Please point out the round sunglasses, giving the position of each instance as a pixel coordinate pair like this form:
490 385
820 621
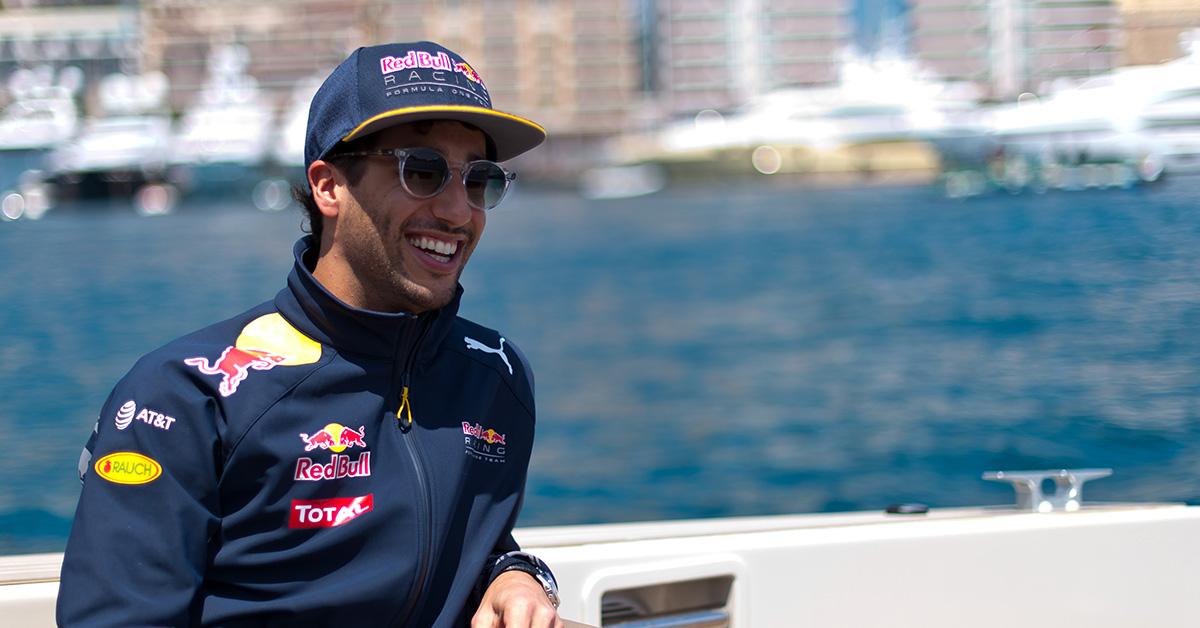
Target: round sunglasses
424 173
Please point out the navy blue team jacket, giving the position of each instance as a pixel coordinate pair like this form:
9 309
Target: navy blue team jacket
303 463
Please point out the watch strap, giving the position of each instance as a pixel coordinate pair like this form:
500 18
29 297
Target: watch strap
530 564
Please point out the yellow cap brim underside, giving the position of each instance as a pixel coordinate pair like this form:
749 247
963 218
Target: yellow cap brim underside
491 121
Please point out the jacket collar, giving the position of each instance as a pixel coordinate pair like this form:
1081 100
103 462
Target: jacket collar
327 319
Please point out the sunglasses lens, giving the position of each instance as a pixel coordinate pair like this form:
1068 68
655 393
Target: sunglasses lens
486 184
424 173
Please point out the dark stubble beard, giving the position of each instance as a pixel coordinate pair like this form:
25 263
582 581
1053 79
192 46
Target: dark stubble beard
371 256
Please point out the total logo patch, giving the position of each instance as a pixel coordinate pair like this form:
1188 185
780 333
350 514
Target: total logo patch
129 412
328 513
484 444
127 467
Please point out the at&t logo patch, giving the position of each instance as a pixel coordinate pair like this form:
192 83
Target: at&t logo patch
129 412
328 513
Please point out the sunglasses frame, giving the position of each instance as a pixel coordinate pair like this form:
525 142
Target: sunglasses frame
401 155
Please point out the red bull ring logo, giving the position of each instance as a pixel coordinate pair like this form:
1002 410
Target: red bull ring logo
484 444
328 513
336 438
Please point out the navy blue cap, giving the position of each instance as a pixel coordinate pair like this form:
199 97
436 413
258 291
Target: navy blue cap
380 86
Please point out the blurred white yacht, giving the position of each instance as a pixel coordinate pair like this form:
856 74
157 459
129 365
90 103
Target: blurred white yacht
125 151
287 150
1125 127
873 121
223 141
285 161
41 115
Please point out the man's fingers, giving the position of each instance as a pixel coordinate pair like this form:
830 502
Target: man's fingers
485 618
517 614
544 616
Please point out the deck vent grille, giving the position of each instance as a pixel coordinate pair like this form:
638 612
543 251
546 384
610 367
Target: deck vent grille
686 604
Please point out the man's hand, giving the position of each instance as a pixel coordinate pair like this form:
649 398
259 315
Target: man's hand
515 600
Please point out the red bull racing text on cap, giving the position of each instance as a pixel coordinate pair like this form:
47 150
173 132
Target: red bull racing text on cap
381 86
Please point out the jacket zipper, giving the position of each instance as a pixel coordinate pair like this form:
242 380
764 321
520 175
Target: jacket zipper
404 420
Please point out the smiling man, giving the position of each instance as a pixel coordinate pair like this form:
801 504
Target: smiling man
353 451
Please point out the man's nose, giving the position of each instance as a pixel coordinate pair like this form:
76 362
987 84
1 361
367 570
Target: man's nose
451 205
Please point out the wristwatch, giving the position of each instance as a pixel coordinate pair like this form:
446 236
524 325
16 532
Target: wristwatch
530 564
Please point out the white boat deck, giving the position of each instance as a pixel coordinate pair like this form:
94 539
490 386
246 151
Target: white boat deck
1104 565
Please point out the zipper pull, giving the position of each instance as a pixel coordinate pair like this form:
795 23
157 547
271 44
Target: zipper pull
405 409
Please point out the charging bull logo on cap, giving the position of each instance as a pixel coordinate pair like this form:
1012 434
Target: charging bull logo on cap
267 342
468 72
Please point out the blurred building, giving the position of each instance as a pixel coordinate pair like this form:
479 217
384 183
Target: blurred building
45 35
1153 29
715 54
1008 47
571 65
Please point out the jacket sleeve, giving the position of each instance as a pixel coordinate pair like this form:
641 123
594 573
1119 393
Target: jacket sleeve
506 543
138 547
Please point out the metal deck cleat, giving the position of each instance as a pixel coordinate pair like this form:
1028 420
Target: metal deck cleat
1068 494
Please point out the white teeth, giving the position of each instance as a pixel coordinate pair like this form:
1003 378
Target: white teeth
430 245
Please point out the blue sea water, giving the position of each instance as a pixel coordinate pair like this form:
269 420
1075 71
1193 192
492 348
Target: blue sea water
736 350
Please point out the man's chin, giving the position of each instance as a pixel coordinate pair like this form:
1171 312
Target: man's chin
423 298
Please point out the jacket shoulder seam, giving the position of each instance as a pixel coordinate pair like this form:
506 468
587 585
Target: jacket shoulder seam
250 425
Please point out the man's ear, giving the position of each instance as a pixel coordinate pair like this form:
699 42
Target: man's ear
323 180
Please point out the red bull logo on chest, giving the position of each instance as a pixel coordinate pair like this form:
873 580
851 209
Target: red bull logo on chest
335 437
268 341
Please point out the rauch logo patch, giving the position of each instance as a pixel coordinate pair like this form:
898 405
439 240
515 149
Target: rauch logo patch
127 467
328 513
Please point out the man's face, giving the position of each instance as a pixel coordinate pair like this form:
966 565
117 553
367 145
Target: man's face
407 253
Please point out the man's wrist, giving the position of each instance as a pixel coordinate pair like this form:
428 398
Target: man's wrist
529 564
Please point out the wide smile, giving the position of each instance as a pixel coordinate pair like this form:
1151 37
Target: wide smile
438 254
